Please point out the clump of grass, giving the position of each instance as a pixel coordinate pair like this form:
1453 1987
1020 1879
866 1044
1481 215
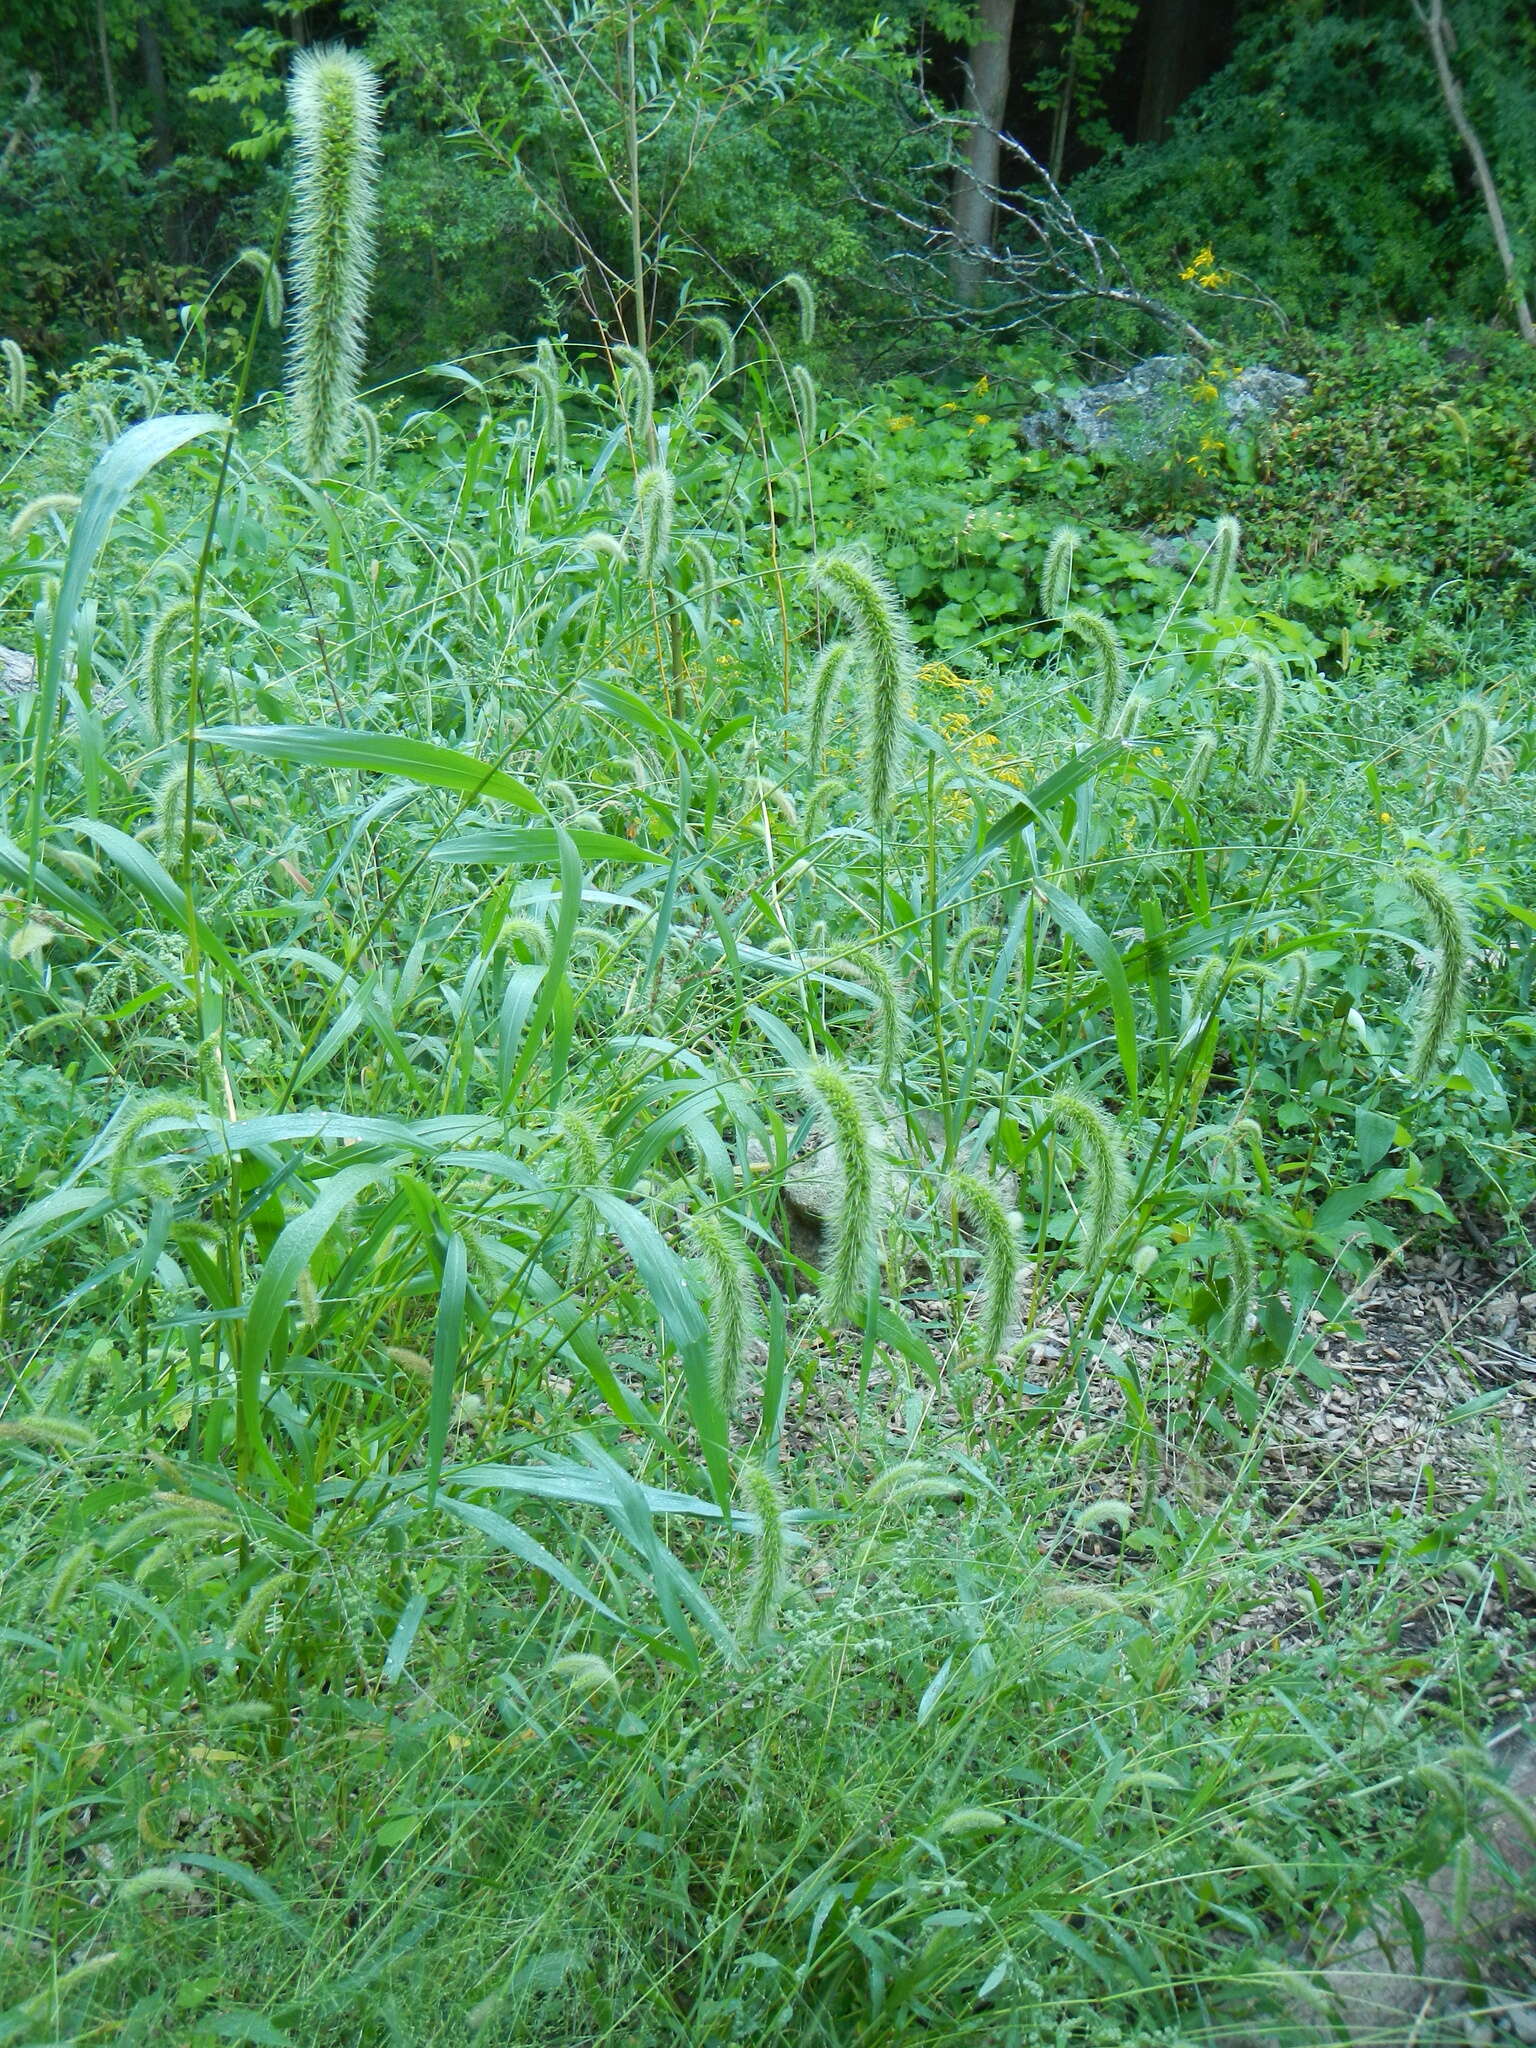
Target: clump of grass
333 104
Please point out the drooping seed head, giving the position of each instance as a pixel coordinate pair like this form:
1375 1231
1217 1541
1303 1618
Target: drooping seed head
734 1308
805 296
857 1177
992 1220
1106 1176
655 500
1442 1003
882 636
1111 671
1056 576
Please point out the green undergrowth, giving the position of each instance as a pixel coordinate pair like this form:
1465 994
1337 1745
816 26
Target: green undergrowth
472 1568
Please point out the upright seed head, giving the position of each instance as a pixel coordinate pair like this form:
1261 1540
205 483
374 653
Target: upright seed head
1222 563
856 1173
793 281
882 636
765 1589
979 1203
734 1309
1112 672
15 377
655 500
1438 1018
333 100
1106 1177
1056 576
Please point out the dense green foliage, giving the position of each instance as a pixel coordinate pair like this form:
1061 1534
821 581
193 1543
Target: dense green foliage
700 1063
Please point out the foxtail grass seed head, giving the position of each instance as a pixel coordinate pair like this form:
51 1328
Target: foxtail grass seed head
586 1673
979 934
655 501
1442 1003
104 420
882 635
1475 716
126 1170
51 505
271 277
856 1174
373 441
637 391
802 387
1268 709
759 1494
1201 755
706 580
15 377
586 1159
1221 563
720 331
1106 1189
805 298
1111 670
734 1308
830 672
1056 576
173 816
333 101
1242 1285
983 1209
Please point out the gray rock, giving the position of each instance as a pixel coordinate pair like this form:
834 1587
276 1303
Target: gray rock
1140 413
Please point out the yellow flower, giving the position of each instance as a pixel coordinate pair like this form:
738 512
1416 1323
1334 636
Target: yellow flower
982 419
982 385
1201 260
949 405
1205 389
902 419
1385 817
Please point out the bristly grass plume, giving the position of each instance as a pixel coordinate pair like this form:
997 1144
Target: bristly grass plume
882 636
1443 1001
333 99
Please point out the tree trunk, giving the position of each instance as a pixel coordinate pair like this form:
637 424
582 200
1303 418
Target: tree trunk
1174 66
1061 126
986 98
163 149
109 83
1441 42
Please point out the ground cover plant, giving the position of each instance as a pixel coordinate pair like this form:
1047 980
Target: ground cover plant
701 1080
